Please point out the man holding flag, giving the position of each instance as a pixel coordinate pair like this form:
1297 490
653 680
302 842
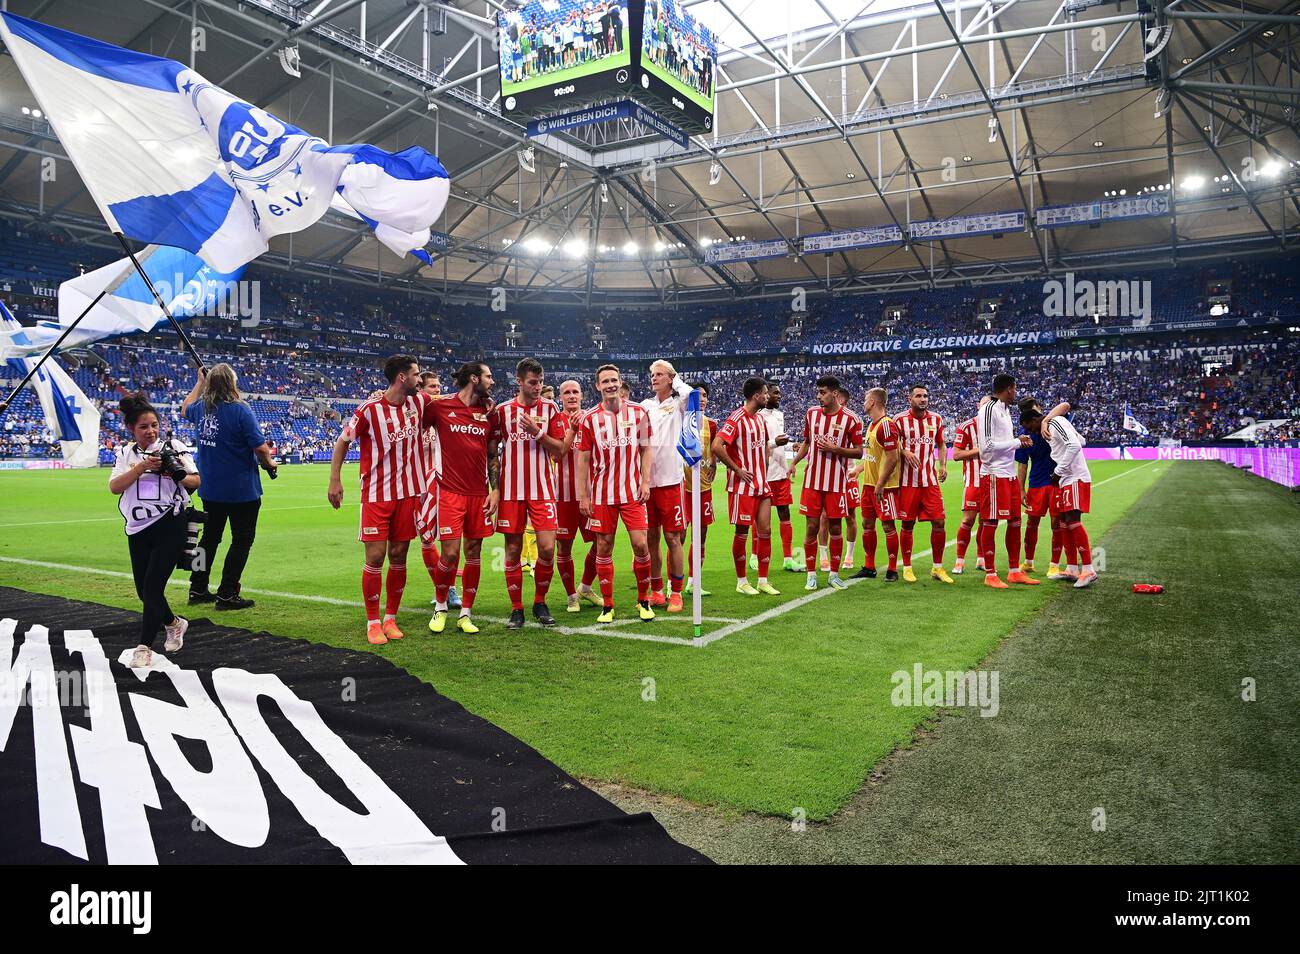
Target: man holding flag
1131 423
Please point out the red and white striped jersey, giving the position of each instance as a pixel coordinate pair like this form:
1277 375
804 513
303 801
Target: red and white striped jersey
965 440
920 435
826 471
566 470
745 435
614 439
431 453
392 447
526 472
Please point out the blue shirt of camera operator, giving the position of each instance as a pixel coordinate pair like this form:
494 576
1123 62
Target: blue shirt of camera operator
226 437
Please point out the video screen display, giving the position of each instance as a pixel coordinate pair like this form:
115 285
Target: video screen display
678 59
558 53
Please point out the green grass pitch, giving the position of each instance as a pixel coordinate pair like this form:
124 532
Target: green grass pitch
789 713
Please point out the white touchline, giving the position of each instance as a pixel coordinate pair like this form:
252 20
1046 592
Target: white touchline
613 629
118 518
610 629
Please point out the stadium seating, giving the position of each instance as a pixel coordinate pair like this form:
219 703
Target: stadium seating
316 347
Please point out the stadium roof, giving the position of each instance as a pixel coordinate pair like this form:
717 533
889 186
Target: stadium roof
831 114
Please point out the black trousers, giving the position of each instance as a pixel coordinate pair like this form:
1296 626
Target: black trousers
155 551
243 530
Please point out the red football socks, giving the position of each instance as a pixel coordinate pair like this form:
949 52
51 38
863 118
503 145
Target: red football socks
372 582
393 586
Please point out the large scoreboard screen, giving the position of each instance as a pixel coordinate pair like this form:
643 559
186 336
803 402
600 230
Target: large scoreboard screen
557 56
560 54
677 64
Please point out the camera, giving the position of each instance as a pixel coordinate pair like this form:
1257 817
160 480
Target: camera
170 462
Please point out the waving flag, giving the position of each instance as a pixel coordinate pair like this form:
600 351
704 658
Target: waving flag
189 285
1131 423
171 159
70 416
688 443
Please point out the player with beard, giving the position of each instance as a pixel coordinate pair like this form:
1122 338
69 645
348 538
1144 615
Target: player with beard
922 446
389 429
467 490
614 461
532 432
741 444
778 473
832 436
571 521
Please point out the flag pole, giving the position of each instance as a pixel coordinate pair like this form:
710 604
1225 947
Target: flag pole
31 373
185 339
696 575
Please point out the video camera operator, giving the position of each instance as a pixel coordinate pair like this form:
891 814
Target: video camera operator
152 478
231 448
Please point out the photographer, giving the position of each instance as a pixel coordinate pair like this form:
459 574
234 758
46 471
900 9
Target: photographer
153 478
230 445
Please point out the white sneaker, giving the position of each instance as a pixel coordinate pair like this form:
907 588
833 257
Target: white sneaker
175 634
1088 578
958 568
142 657
812 582
836 583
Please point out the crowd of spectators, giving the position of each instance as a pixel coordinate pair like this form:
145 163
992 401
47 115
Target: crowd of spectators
313 349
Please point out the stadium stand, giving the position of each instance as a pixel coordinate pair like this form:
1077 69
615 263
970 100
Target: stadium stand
315 346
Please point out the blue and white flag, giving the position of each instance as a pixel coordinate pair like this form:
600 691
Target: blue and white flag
189 285
1131 423
688 443
171 159
70 416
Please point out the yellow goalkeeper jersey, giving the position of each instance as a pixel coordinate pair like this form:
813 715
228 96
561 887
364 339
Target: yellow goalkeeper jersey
882 437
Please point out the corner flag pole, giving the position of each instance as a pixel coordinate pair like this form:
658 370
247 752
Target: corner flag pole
696 601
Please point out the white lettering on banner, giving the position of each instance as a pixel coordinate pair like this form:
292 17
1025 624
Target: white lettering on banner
1187 453
109 761
228 798
935 344
60 819
563 90
389 833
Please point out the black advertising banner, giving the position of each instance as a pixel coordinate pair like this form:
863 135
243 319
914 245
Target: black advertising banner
250 748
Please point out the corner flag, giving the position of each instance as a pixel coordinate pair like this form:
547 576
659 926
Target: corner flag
688 444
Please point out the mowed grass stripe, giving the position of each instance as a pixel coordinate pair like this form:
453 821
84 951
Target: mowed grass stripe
791 712
1109 700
